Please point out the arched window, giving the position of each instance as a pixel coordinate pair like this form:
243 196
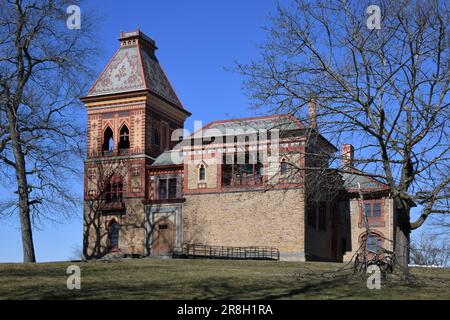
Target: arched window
124 138
201 173
113 235
114 189
156 140
374 242
283 169
108 141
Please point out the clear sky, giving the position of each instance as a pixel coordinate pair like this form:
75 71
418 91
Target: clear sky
197 40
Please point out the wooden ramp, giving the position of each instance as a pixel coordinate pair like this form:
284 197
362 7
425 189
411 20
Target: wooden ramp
195 250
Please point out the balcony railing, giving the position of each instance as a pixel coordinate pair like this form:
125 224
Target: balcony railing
116 152
243 180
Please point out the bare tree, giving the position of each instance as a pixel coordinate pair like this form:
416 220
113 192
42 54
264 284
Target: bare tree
386 89
430 250
43 71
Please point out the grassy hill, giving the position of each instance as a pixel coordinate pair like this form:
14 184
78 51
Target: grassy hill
210 279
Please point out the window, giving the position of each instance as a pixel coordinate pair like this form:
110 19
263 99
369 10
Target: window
323 215
373 243
373 211
156 139
283 169
163 189
108 141
114 189
201 173
312 214
172 188
167 189
163 226
124 138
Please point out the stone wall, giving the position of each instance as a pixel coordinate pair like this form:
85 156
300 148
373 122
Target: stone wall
273 218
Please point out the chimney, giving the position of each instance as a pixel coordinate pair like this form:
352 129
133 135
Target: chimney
312 110
347 155
137 37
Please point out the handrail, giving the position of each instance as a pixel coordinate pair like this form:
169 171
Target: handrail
195 250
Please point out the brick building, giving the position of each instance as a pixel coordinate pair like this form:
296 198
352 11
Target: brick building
237 183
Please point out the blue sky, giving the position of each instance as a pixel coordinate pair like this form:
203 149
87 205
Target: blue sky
197 40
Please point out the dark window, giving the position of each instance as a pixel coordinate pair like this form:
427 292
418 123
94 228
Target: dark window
201 173
163 189
163 226
376 212
156 139
124 139
323 215
373 243
372 209
312 214
114 189
167 189
283 169
172 188
108 141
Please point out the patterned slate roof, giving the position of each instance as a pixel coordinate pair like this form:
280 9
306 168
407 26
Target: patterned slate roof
134 67
281 122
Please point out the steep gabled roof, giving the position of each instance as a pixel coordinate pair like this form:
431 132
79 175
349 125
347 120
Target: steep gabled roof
134 67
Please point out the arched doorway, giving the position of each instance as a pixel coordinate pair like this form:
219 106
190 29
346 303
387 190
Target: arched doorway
113 236
163 237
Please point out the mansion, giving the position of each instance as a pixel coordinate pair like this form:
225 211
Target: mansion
250 182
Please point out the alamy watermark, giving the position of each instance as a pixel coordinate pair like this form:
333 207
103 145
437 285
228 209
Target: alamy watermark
374 19
374 280
73 21
74 280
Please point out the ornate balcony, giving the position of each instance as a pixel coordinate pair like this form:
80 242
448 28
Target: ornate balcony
113 206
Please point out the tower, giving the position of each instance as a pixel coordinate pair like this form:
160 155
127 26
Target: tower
132 111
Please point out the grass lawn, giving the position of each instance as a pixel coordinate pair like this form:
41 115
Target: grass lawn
210 279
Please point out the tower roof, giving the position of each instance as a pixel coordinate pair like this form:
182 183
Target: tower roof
134 67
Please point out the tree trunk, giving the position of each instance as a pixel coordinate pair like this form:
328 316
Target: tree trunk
22 186
402 233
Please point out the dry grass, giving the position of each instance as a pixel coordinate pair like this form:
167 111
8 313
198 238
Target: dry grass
210 279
